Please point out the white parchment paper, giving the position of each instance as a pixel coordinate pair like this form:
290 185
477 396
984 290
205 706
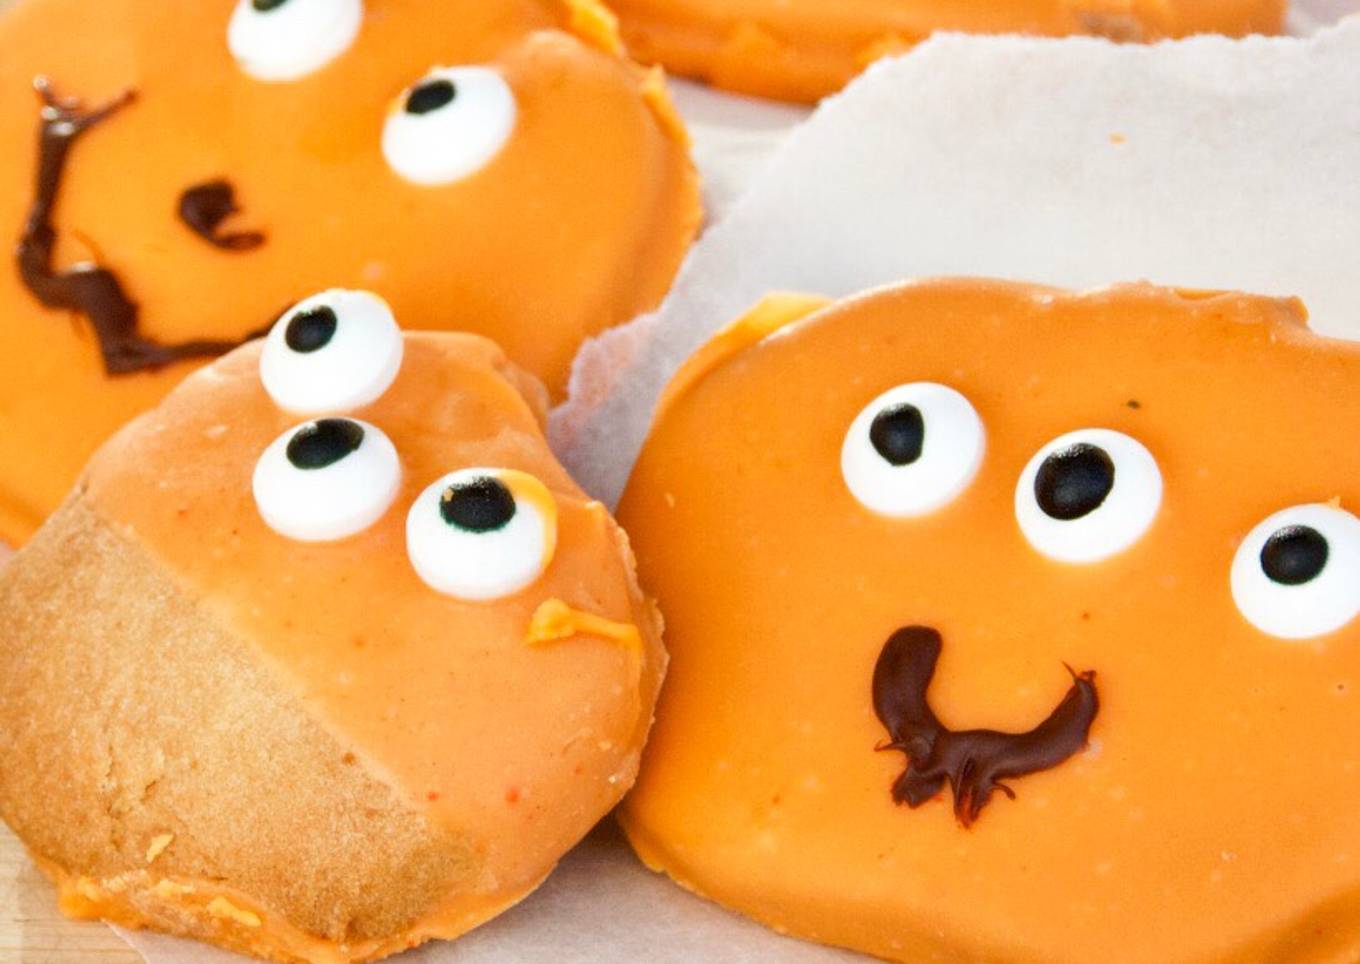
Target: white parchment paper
1207 163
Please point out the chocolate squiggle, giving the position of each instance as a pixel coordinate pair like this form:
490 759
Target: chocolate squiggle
973 762
204 207
87 288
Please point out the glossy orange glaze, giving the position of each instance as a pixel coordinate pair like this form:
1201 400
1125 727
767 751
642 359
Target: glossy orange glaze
578 224
802 50
1212 818
519 747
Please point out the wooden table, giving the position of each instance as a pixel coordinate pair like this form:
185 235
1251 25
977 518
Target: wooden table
31 929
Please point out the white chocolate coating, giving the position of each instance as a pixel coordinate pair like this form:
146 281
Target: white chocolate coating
351 370
951 453
293 39
330 503
456 140
1323 604
1116 524
483 566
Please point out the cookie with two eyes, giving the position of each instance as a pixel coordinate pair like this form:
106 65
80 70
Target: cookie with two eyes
185 172
802 50
1011 624
326 655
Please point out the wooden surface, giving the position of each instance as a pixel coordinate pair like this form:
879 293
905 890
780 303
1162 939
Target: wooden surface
31 930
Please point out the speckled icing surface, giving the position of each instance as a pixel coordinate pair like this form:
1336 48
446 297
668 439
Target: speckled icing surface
926 737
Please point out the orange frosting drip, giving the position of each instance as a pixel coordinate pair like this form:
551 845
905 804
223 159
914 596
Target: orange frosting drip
1212 817
520 747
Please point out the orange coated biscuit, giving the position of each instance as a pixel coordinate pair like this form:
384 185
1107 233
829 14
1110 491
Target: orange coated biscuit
252 151
1010 624
320 689
802 50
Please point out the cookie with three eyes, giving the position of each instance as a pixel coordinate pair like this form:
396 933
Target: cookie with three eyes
802 50
1011 624
182 173
326 655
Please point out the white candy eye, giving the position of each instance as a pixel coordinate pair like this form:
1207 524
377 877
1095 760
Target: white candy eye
280 40
1088 495
482 533
1297 574
335 351
912 450
326 480
450 125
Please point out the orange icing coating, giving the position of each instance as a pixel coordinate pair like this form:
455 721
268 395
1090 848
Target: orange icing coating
577 224
802 50
519 748
1211 818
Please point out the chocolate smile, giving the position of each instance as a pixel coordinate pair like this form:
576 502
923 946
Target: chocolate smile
87 288
974 762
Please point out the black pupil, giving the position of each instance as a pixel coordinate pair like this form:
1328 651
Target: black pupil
1074 482
310 330
482 505
324 442
1294 555
264 6
898 434
430 96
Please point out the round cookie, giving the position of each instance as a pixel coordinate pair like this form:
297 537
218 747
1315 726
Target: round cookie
494 166
802 50
1009 624
322 687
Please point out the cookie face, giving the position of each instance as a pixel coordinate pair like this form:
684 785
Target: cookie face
187 174
437 504
1005 621
413 584
802 50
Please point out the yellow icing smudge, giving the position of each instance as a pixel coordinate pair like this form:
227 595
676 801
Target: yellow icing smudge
169 890
554 620
224 909
594 23
527 488
773 312
158 845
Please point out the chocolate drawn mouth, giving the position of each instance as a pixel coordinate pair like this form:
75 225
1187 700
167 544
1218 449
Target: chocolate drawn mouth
973 762
87 288
205 206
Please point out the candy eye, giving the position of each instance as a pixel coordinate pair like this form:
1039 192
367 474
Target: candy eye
450 125
280 40
1297 574
482 534
337 350
1088 495
912 450
326 480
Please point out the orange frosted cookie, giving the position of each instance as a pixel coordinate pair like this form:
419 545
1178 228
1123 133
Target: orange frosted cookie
187 170
1010 624
802 50
326 655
